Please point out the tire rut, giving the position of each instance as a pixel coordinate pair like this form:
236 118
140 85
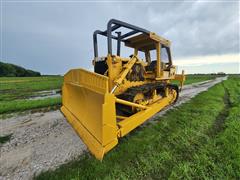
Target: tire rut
218 125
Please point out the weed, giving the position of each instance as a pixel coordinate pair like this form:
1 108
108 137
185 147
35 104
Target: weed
4 139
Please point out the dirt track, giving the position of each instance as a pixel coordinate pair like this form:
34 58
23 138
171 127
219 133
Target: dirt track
43 141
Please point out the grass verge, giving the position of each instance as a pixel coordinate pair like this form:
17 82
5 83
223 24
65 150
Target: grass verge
22 105
179 145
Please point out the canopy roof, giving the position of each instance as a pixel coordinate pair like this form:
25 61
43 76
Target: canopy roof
146 42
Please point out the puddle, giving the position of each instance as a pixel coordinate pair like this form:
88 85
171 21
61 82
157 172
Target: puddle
46 94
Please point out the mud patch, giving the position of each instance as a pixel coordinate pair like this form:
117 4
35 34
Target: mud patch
45 94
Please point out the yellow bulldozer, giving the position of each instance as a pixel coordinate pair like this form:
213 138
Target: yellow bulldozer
122 92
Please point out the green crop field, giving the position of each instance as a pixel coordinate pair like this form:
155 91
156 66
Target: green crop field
190 79
16 92
197 140
198 78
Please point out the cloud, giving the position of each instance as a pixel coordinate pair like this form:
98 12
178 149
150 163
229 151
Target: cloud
55 37
231 68
206 60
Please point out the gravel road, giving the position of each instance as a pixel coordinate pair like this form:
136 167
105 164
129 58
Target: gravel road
43 141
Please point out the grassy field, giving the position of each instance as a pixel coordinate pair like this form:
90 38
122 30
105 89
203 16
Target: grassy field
197 140
198 78
16 91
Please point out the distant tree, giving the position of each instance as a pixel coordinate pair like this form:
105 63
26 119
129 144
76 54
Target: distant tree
11 70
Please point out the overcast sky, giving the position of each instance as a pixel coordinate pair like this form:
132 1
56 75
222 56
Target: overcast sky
53 37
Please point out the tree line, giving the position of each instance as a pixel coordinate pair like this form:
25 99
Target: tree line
11 70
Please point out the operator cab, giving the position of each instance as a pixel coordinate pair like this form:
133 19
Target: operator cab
148 45
157 62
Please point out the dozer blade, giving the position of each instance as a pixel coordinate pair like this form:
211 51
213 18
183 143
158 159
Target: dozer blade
90 109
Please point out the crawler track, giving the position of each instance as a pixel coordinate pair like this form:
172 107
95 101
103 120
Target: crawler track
145 89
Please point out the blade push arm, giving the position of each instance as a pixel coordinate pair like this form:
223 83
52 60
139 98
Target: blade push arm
126 68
